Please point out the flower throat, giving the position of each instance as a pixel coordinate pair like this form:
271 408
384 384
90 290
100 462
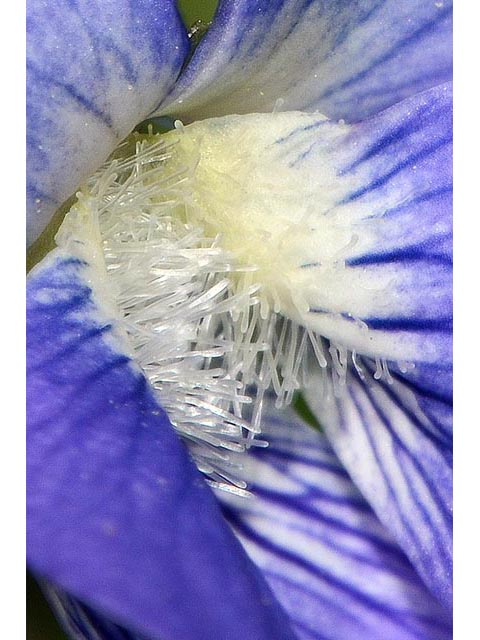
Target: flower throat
204 291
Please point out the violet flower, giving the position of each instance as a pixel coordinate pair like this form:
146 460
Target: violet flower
305 244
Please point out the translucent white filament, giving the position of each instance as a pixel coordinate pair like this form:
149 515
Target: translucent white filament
213 329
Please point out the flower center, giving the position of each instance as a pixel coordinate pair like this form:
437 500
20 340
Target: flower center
207 280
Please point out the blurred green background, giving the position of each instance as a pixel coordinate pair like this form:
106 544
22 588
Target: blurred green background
41 624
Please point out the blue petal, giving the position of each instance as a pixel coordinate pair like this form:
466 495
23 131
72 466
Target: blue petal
396 445
330 562
398 267
347 59
94 71
118 515
394 436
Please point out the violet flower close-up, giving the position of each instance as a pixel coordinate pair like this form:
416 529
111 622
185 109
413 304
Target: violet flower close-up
239 419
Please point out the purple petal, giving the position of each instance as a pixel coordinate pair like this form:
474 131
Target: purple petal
397 448
347 59
94 71
398 266
330 562
118 516
394 434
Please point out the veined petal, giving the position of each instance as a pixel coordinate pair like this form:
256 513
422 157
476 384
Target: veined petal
330 562
94 71
118 515
394 439
347 59
393 434
399 260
